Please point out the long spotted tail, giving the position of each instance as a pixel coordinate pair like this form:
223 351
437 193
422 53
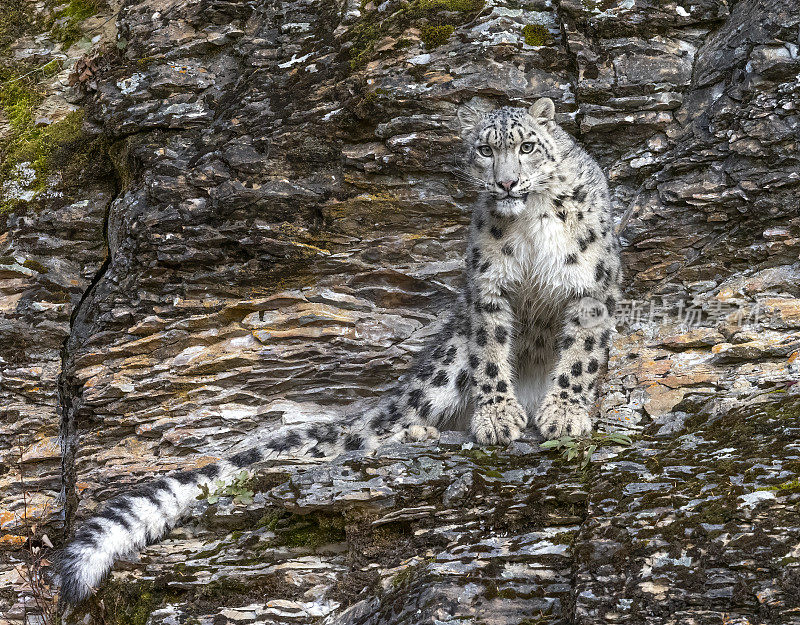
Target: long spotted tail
131 521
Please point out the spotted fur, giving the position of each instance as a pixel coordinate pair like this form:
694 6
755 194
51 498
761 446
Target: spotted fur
524 342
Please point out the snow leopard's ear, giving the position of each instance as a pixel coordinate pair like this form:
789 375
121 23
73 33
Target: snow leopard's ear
543 110
469 118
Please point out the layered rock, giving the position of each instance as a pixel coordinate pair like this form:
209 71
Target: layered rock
283 220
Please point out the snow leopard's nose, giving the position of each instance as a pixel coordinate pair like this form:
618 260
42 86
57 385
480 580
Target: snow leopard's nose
507 185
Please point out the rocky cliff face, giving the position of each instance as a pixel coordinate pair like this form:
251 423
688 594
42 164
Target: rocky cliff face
222 216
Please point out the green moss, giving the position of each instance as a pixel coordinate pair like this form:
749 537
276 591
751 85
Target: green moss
270 520
437 20
131 604
418 73
61 146
463 6
35 265
66 34
65 27
563 538
223 588
210 553
67 130
310 531
490 589
17 19
314 531
123 602
52 68
783 410
727 467
481 457
718 511
39 146
435 36
139 612
18 101
81 9
60 296
373 96
364 36
792 486
537 35
126 603
407 575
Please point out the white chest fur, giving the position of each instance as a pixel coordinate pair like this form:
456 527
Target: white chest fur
538 270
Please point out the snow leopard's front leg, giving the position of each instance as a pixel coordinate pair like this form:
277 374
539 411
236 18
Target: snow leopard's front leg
498 417
583 353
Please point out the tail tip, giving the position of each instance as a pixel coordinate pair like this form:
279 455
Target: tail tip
71 580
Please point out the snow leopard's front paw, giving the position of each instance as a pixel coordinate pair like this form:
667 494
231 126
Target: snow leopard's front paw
559 416
417 433
499 423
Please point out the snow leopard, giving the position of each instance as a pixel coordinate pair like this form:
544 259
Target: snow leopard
523 344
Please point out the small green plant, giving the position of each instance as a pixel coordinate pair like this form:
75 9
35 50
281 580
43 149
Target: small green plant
537 35
434 36
581 449
239 489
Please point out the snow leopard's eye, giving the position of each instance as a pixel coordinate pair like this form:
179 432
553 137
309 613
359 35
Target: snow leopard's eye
527 147
484 150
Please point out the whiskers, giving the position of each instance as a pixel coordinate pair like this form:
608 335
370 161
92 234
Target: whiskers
468 180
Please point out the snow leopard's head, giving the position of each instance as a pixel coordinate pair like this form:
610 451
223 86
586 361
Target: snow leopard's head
511 152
